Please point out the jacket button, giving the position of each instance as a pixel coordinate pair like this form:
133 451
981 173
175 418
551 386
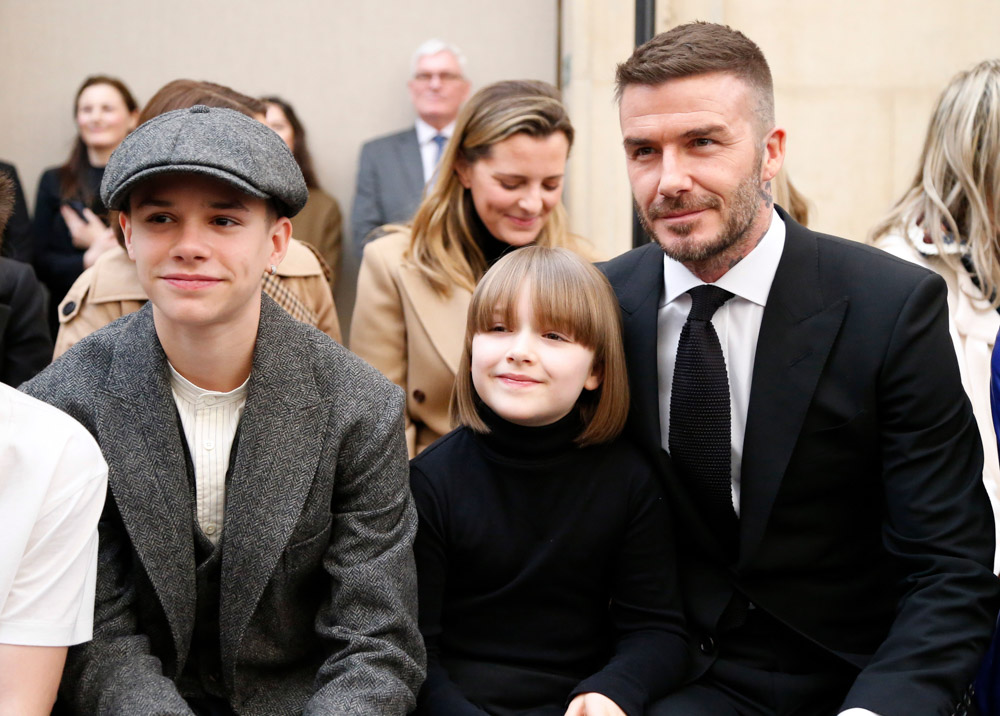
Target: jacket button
418 395
69 308
707 645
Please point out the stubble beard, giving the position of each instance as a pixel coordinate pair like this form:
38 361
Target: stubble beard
744 207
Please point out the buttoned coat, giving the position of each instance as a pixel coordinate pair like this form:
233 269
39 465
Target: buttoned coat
318 590
389 185
411 333
864 523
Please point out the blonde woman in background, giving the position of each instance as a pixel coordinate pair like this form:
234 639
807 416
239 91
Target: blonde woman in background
499 186
948 221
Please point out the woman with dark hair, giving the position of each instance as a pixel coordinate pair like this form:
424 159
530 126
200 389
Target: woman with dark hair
70 224
320 223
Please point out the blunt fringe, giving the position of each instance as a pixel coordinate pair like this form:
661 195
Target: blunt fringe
442 245
569 295
698 48
956 190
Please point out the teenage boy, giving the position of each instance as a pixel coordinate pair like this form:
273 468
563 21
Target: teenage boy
255 554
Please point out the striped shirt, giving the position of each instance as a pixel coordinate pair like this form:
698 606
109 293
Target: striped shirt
209 419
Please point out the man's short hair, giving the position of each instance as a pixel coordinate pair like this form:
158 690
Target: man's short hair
434 46
699 48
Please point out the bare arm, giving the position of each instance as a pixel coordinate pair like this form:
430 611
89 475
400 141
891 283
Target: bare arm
29 677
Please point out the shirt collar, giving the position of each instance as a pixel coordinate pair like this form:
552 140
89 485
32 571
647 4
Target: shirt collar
426 133
750 279
188 391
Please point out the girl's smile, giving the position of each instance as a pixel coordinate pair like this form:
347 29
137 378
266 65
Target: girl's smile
530 374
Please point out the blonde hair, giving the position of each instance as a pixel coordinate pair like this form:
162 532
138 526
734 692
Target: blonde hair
568 295
957 187
789 198
442 245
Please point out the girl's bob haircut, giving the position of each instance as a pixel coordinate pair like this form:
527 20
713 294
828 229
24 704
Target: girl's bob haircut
568 295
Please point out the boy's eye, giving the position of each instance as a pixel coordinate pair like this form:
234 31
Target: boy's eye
157 219
224 221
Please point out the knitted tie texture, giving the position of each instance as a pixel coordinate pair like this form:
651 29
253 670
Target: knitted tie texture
700 430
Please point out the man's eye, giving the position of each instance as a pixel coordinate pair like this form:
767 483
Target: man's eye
157 219
224 221
703 142
642 152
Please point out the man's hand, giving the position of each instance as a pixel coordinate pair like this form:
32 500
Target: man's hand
592 704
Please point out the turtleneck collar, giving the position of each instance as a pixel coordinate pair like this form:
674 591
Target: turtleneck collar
492 247
519 443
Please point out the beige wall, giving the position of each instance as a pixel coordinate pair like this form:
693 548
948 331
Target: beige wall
343 64
855 82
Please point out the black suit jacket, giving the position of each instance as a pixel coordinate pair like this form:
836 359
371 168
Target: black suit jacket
864 522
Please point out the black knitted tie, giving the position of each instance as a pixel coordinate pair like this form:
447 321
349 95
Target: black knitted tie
700 414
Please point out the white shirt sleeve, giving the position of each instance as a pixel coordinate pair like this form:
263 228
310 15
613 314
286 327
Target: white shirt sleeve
53 482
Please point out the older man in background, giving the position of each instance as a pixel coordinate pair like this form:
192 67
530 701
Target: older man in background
394 169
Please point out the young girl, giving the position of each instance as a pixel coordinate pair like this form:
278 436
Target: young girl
544 559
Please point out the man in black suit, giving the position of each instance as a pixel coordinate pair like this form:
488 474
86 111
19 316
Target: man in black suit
802 399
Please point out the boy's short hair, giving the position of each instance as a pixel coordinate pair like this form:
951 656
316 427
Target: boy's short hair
568 294
219 143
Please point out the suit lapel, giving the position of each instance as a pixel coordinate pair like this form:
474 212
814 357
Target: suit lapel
639 288
796 334
150 486
281 436
443 319
412 164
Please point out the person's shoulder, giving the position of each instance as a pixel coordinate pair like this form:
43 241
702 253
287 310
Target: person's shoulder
445 461
31 418
856 263
339 374
76 377
14 273
390 247
385 141
301 259
625 263
49 178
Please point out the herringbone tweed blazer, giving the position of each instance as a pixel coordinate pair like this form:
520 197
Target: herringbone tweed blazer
318 589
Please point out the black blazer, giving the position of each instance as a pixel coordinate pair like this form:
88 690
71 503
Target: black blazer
864 523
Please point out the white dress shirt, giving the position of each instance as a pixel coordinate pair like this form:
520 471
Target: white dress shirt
428 147
210 420
737 323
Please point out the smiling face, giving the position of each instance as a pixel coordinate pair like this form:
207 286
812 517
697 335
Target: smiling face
530 374
102 117
517 185
699 164
438 88
201 247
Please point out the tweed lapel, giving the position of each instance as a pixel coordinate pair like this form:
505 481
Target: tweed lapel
281 436
639 292
411 165
148 478
796 334
443 319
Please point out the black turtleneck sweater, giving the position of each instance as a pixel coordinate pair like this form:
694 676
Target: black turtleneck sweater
545 570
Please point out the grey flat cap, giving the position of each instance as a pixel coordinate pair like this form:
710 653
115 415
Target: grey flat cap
220 143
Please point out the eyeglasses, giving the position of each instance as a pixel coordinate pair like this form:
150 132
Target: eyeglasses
444 77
